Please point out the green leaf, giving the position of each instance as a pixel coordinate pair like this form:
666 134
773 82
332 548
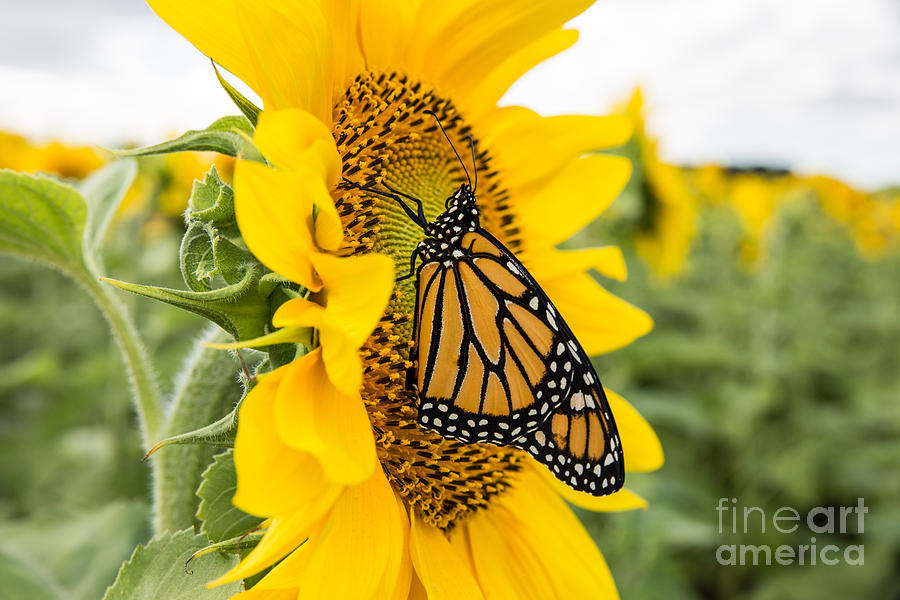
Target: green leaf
42 219
250 110
103 191
228 135
221 520
18 579
157 571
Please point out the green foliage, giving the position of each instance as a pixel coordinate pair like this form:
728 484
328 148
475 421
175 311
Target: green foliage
20 580
228 135
221 520
775 385
157 571
42 219
76 554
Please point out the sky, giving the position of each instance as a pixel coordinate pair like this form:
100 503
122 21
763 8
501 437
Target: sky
811 85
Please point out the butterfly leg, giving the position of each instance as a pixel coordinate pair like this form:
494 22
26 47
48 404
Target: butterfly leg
412 265
419 207
418 219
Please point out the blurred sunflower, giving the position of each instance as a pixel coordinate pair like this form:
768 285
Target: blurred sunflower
360 502
669 223
55 158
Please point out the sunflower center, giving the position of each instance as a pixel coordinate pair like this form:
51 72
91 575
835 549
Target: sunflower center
387 139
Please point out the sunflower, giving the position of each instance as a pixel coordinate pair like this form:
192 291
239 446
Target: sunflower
359 501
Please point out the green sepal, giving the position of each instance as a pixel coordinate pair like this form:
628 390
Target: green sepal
221 434
250 110
229 135
237 545
236 308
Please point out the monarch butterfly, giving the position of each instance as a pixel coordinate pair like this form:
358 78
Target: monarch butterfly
496 361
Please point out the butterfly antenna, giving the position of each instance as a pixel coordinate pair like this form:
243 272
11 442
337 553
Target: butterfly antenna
433 114
474 164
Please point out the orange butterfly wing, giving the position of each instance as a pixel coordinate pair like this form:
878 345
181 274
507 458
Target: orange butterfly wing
485 340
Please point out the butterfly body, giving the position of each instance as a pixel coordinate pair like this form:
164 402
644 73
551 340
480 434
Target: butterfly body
498 364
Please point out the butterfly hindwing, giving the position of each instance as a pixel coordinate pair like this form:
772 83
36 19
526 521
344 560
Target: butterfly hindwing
490 345
579 442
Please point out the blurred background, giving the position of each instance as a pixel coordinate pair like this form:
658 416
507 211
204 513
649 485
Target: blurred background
761 229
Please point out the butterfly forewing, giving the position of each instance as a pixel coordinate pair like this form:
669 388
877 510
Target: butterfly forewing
489 346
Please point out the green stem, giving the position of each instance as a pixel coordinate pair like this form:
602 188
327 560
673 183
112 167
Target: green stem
147 398
206 390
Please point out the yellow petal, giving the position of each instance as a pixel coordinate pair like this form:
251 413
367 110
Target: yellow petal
314 416
489 90
357 292
546 525
440 569
530 147
624 499
282 538
274 214
295 139
272 477
571 199
359 545
291 51
507 567
417 589
483 36
601 321
211 26
348 61
640 446
342 360
385 29
260 594
549 264
298 312
397 578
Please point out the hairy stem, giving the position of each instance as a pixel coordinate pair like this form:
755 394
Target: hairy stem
206 390
147 398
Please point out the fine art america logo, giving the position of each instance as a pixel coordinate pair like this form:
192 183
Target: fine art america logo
819 520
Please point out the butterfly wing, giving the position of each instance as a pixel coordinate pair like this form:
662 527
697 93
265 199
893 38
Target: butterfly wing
490 345
579 442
